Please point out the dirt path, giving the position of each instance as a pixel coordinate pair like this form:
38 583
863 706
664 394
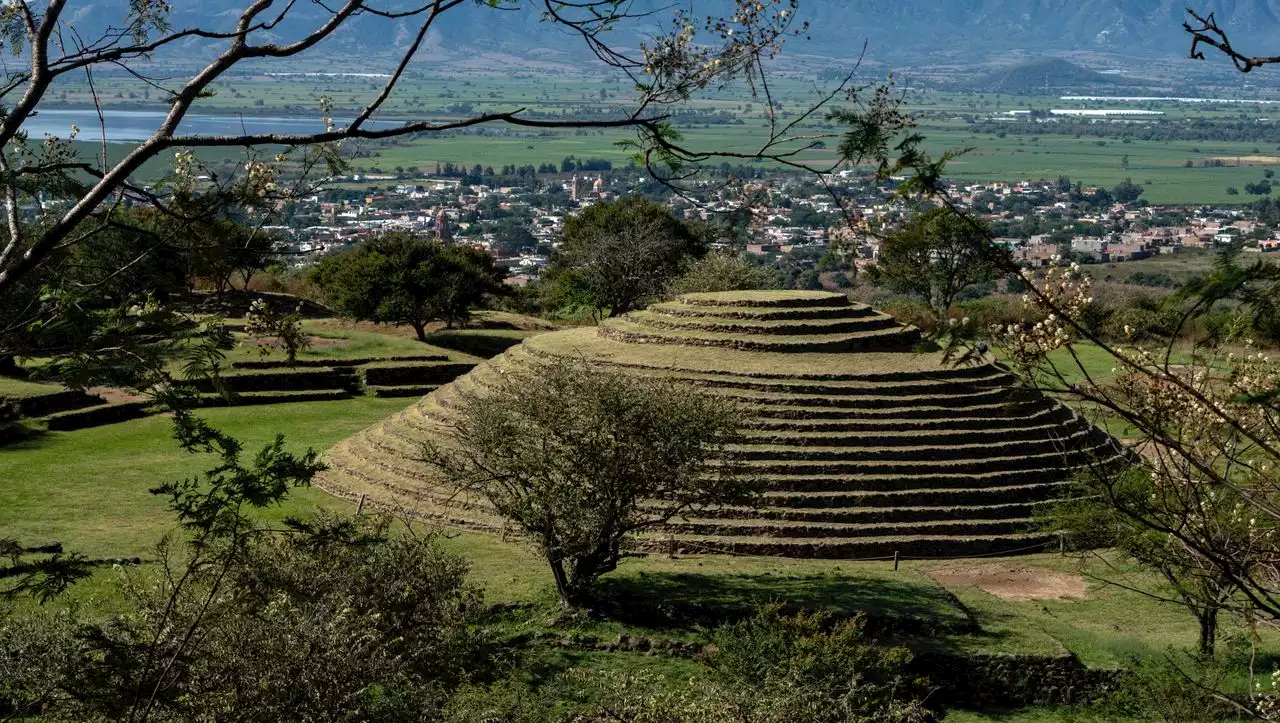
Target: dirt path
1013 582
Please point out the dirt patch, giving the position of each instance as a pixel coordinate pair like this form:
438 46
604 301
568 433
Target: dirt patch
112 395
1013 582
317 342
1248 159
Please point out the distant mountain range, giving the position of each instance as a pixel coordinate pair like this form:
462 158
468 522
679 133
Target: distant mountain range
897 30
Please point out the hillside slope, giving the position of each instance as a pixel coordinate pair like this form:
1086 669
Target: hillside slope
896 29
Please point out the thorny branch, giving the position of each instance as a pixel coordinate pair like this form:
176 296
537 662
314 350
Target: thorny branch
1204 30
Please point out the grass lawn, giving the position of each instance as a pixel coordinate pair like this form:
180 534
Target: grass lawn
17 388
88 489
338 339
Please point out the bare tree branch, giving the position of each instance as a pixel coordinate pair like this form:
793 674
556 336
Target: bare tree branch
1206 31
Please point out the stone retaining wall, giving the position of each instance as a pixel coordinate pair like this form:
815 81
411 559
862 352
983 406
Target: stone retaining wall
980 680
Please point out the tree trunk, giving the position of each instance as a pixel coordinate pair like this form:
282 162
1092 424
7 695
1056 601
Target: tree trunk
420 330
941 307
562 583
1208 619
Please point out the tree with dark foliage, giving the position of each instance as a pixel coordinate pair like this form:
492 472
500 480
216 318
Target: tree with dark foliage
623 252
409 280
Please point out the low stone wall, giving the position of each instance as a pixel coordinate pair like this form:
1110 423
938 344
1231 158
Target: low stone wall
43 405
97 416
279 381
390 375
981 680
350 362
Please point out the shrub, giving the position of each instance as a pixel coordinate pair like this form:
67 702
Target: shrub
342 623
808 667
991 311
1169 687
719 272
767 669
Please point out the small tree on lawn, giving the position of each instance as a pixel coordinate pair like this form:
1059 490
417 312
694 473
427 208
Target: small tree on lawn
1116 511
408 280
1197 506
934 256
579 458
283 331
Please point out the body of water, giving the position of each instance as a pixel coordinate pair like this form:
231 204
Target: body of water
131 126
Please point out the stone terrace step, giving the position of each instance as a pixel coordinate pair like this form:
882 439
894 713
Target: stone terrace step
894 339
533 346
955 380
246 399
924 547
66 400
1006 431
782 528
348 362
986 378
863 515
913 467
951 400
773 413
870 451
875 426
762 313
852 483
785 327
405 390
97 416
766 298
959 497
845 389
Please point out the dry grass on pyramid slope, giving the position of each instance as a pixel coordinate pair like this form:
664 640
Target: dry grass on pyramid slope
864 447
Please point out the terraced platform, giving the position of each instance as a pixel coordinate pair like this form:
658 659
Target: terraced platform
863 446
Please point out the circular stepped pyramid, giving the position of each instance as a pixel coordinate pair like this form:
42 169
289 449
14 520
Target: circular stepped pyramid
863 447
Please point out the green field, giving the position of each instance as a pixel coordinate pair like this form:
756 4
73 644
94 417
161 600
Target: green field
1158 165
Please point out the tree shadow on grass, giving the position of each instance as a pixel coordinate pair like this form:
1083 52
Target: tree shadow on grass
689 600
21 437
473 341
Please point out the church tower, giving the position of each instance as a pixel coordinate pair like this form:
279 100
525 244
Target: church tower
443 233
